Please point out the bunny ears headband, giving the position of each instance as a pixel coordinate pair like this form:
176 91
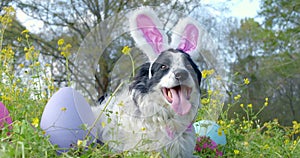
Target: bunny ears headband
147 31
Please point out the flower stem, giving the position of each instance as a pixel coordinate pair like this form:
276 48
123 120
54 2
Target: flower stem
106 104
132 64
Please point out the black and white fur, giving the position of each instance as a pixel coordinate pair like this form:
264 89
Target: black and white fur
156 110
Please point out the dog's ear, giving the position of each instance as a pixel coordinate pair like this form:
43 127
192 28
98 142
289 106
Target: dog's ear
186 36
147 31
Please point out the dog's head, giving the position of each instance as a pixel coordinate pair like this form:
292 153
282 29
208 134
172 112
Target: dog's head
179 79
175 75
171 70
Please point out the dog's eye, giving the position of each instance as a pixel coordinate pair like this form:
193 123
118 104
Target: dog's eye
164 67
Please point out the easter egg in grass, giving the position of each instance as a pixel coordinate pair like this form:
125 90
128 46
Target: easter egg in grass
210 129
67 119
4 117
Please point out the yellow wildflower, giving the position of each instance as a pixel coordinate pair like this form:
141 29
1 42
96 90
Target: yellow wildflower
21 65
25 31
35 122
68 46
206 73
209 92
60 42
266 104
249 105
65 54
232 121
236 152
295 142
37 63
7 98
27 56
126 50
286 141
266 99
79 142
205 101
143 129
237 97
294 122
36 54
246 81
31 49
51 87
296 127
221 122
241 105
266 146
19 39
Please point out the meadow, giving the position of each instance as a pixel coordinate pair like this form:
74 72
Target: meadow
26 94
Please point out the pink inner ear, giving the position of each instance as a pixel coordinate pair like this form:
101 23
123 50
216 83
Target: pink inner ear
189 38
150 32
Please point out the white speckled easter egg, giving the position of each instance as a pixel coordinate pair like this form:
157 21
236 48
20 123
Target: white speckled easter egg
64 117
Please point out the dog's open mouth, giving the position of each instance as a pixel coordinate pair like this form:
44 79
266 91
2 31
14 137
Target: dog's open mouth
179 97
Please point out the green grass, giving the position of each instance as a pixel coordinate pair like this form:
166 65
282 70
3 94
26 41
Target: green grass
25 99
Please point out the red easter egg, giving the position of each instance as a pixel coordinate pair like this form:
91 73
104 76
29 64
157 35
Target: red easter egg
4 116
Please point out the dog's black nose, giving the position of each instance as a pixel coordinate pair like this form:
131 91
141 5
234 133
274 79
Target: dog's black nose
181 74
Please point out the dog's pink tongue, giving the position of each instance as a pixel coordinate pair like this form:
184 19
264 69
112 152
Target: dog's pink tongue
180 103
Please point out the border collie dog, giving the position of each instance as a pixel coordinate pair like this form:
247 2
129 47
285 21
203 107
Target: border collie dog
155 112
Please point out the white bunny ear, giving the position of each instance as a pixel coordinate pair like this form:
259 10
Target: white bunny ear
147 32
186 36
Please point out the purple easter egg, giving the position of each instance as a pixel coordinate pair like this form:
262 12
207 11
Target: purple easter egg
4 116
64 117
